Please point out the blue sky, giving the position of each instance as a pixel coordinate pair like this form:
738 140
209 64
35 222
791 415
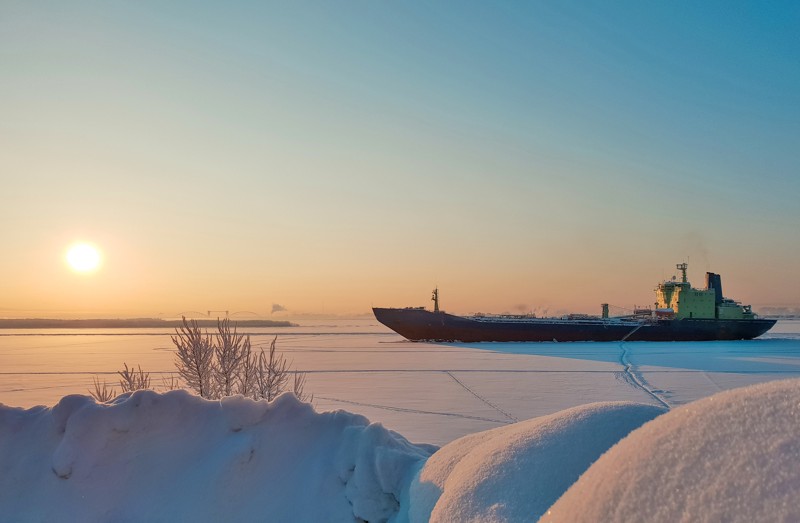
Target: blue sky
337 155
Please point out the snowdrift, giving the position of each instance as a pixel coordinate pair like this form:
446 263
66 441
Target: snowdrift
734 456
515 473
176 457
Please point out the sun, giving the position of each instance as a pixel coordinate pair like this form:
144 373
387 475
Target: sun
83 257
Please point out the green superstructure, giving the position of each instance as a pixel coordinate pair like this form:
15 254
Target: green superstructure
680 299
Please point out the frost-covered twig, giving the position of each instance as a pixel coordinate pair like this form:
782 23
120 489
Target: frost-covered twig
271 373
246 377
299 385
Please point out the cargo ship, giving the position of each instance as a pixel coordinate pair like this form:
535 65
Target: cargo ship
681 313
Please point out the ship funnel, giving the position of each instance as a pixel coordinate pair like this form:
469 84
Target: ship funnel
714 281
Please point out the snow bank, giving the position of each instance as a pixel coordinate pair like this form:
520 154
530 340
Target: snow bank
176 457
734 456
514 473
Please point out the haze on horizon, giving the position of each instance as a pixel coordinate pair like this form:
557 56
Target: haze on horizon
329 157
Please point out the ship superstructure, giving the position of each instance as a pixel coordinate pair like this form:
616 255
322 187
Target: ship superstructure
683 301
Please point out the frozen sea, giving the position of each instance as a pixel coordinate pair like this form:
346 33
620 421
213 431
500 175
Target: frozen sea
428 392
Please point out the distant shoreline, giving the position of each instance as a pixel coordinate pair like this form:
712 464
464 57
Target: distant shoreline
134 323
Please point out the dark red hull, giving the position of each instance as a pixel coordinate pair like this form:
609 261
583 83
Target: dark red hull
422 325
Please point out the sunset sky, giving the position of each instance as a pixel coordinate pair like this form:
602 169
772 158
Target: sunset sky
332 156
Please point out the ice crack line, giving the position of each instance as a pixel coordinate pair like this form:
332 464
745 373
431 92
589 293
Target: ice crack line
492 405
413 411
635 379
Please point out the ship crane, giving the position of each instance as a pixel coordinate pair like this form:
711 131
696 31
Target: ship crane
620 311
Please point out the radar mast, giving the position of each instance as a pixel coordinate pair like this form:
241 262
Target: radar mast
682 267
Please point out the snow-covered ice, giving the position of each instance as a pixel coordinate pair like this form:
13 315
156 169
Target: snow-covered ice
428 392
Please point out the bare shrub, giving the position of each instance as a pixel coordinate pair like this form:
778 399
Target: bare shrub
131 380
170 382
195 361
226 364
230 350
248 372
217 366
101 392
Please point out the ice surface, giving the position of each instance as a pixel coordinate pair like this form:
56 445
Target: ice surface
734 456
428 392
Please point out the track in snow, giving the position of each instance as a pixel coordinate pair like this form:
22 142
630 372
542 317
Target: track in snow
634 379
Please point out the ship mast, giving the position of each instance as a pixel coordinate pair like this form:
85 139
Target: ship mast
682 267
435 299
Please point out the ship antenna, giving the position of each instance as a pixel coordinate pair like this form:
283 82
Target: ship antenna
435 299
682 267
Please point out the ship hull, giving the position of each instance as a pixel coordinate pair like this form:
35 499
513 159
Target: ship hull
422 325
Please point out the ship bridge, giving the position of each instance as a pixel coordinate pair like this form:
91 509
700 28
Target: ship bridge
708 303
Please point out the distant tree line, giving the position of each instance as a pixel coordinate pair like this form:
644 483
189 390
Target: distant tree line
127 323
